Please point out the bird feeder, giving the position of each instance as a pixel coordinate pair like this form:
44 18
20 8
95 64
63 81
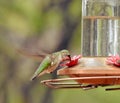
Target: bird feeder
100 39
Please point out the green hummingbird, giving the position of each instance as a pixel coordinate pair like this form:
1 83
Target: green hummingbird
51 62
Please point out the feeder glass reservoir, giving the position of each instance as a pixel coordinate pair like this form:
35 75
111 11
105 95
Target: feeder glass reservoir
100 27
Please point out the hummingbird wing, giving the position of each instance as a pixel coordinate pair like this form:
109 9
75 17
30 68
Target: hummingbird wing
45 64
55 61
32 55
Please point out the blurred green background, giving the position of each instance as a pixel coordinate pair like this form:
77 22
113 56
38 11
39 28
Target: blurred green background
34 25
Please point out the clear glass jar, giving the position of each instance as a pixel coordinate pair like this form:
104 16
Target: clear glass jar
100 27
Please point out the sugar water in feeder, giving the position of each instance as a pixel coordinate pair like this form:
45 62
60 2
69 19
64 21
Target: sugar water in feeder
100 27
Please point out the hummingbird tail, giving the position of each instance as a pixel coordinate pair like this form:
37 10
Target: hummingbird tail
33 78
38 75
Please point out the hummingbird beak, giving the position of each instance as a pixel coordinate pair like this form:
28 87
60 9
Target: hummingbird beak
69 57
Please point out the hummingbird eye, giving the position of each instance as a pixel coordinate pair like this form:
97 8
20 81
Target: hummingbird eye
65 52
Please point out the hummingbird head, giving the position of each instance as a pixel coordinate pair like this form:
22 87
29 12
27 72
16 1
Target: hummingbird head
65 54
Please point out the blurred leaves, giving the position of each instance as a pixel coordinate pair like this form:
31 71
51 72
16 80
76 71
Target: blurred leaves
20 15
34 25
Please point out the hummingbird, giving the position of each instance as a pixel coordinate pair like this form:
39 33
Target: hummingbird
51 62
